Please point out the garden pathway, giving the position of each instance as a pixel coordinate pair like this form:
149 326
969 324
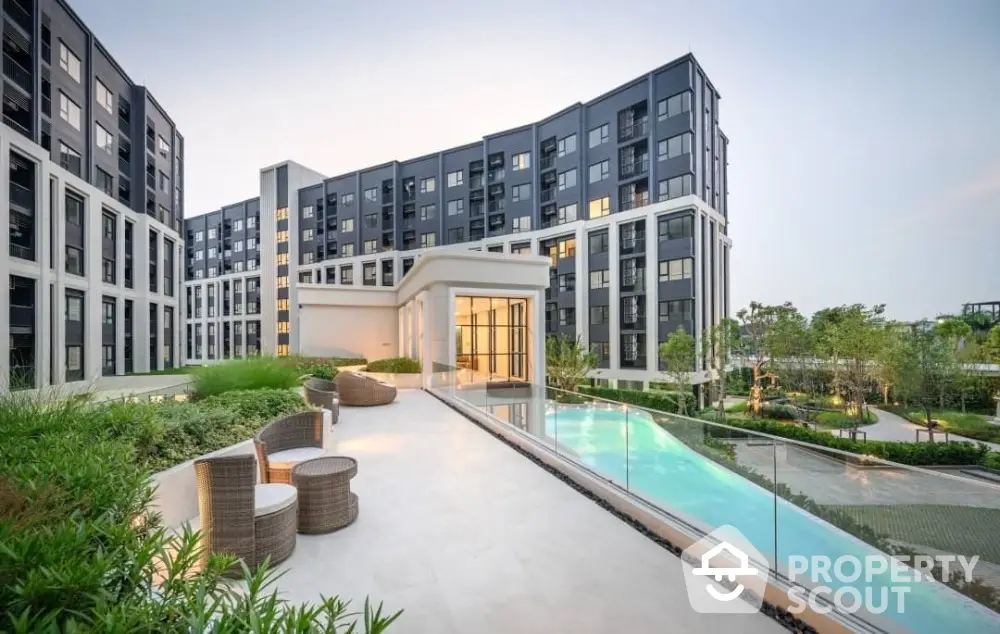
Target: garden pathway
894 427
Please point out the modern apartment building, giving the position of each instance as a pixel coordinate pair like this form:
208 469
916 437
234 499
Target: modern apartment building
93 172
625 193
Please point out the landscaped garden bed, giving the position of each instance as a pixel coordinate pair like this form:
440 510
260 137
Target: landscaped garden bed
970 425
400 372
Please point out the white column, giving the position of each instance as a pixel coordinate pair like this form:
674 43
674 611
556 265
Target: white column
614 300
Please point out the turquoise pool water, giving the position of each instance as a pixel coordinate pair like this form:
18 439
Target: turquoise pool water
662 469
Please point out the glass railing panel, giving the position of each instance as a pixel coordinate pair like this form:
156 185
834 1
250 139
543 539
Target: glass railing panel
853 512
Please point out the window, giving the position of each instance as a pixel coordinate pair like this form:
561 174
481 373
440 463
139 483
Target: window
674 146
307 257
211 234
108 271
212 271
567 248
427 240
238 266
199 236
74 307
675 187
673 106
251 244
456 235
105 98
598 135
347 275
522 223
282 281
427 185
347 250
456 207
567 282
347 200
598 243
104 181
369 246
520 192
567 179
371 195
601 350
674 228
69 159
598 315
69 62
251 222
74 210
69 111
105 141
566 213
566 145
427 212
347 225
680 309
602 278
199 274
162 146
307 211
456 178
567 316
679 269
238 246
211 252
599 207
520 161
199 255
600 171
370 221
108 312
164 183
237 225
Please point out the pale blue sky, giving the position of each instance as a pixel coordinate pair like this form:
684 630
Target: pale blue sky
864 134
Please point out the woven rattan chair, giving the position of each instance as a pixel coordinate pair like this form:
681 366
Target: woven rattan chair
323 393
363 391
254 522
283 443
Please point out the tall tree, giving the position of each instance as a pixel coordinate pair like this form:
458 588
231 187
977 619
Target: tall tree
720 343
824 327
859 337
678 355
761 342
991 347
567 362
923 364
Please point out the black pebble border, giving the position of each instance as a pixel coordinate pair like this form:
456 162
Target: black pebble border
788 620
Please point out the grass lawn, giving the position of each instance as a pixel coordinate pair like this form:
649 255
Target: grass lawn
964 424
964 530
840 420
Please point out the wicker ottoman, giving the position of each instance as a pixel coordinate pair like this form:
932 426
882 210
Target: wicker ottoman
324 493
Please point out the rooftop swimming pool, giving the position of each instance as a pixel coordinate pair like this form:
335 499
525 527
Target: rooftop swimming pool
663 470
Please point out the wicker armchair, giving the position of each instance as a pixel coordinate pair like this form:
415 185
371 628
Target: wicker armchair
283 443
252 522
363 391
323 393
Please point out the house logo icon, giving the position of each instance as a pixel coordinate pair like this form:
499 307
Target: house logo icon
724 573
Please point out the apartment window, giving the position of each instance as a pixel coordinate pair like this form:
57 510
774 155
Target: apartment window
211 234
456 235
252 264
307 235
69 111
211 252
427 212
199 255
282 281
598 135
599 279
428 240
307 257
347 225
567 282
281 236
105 98
369 246
674 146
674 187
601 350
238 246
237 225
456 207
199 274
679 269
456 178
598 315
280 214
69 62
370 221
674 228
566 145
104 181
199 236
566 248
679 309
567 316
346 250
307 211
164 183
567 179
108 312
69 159
162 146
598 243
520 161
566 213
371 195
74 260
673 106
347 200
520 192
599 207
251 222
522 223
428 185
74 210
251 244
282 304
238 266
105 141
347 275
600 171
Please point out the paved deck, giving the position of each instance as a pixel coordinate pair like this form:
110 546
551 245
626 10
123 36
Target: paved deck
112 387
467 536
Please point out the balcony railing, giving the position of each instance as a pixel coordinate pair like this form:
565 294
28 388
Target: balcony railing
496 206
636 129
548 195
17 73
634 202
20 15
547 163
496 176
637 167
634 283
476 182
22 196
23 316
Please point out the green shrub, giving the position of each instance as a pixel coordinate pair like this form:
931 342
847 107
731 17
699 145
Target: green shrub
778 412
252 373
345 361
73 556
841 420
739 408
395 365
663 401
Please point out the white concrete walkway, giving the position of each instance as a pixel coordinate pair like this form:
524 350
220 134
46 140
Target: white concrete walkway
896 428
112 387
469 536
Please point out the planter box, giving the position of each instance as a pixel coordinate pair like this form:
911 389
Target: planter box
399 381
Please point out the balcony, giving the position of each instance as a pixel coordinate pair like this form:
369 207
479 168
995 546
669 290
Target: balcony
19 14
634 168
495 176
22 196
547 162
476 181
634 130
637 363
634 282
496 206
639 199
547 195
18 74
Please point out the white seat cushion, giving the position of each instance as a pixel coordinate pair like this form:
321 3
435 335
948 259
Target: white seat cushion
271 498
290 457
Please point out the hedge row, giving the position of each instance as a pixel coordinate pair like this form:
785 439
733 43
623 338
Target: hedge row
395 365
654 399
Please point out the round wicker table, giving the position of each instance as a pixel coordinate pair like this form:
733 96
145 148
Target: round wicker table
324 493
